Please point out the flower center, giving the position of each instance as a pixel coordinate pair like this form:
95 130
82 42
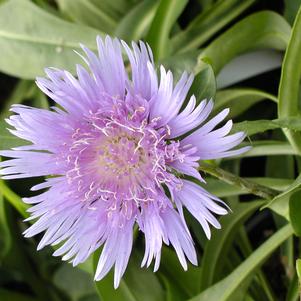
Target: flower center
122 155
131 158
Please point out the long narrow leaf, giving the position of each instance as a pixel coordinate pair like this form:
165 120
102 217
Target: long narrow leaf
223 290
289 88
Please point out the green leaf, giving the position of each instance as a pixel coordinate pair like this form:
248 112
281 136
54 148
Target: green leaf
224 290
40 100
289 87
260 190
282 166
223 189
248 65
18 259
135 24
38 40
180 63
13 199
255 127
280 203
87 265
204 84
173 293
267 148
89 298
186 281
206 4
9 295
158 35
24 89
208 23
74 282
293 290
259 126
294 211
5 239
107 293
216 249
239 100
137 283
88 12
117 7
290 9
8 140
298 268
265 29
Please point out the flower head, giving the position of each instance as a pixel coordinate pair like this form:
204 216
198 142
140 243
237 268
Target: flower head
118 151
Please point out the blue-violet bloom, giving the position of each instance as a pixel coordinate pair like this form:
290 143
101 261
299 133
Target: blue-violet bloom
118 151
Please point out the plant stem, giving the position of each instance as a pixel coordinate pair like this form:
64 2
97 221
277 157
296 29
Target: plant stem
251 187
13 198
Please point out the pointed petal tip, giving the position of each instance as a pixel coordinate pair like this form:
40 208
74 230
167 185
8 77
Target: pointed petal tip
97 276
40 246
226 111
208 234
26 234
184 265
156 267
116 282
243 150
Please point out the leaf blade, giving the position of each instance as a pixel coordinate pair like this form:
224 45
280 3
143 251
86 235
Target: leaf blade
221 240
289 87
158 35
265 29
223 290
43 39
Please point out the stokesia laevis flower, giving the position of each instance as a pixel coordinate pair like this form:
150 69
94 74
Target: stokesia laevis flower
113 148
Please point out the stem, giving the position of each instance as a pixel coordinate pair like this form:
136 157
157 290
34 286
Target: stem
13 198
251 187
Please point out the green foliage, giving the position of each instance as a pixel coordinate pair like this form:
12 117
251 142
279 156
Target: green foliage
74 282
5 239
9 295
137 284
225 289
218 247
280 204
137 21
298 265
259 126
206 38
294 209
38 39
291 9
204 85
181 279
239 100
158 35
91 13
289 88
13 198
7 139
261 30
208 23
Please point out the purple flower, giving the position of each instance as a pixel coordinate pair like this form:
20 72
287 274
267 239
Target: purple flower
118 151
